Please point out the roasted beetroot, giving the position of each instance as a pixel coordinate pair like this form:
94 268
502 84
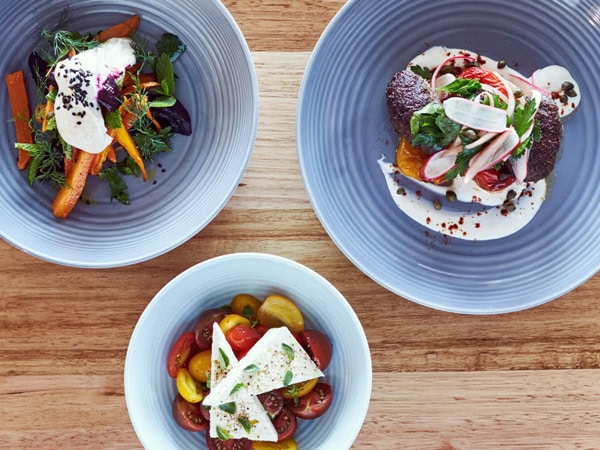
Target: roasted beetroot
109 97
176 116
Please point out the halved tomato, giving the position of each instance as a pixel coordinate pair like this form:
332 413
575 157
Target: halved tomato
242 337
188 415
181 351
318 346
232 320
229 444
272 402
277 311
484 76
299 389
286 425
245 305
491 180
314 404
188 387
287 444
199 365
204 326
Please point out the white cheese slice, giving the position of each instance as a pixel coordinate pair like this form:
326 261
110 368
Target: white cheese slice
276 360
223 358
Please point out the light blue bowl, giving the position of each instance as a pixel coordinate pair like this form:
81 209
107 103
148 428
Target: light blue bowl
343 128
149 391
217 84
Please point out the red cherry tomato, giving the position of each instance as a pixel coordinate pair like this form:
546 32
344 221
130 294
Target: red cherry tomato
262 329
188 415
180 353
230 444
314 404
318 346
285 424
242 337
490 180
484 76
204 327
272 402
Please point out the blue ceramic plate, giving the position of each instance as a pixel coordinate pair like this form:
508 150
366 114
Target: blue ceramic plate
343 128
149 391
187 187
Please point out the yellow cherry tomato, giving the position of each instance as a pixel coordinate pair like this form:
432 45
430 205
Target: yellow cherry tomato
286 444
278 311
410 160
199 366
232 320
187 387
245 305
299 389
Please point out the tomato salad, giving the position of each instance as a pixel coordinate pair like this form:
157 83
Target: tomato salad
227 349
105 107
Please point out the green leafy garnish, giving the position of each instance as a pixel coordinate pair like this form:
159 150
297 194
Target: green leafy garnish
287 379
165 75
431 127
252 368
113 119
523 117
151 143
47 160
248 312
170 45
246 424
229 408
237 387
463 87
293 390
462 163
118 187
424 72
162 102
223 434
289 351
223 359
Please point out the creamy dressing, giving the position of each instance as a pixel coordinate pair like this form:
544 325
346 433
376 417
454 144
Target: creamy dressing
478 214
79 119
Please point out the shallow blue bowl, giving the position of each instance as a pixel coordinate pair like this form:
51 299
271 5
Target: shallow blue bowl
149 391
343 128
187 187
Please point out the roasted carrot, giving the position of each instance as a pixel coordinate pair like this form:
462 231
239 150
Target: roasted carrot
111 155
19 103
68 162
48 110
143 85
124 138
68 196
99 160
120 30
131 76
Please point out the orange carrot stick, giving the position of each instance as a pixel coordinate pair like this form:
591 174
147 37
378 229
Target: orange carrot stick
124 138
120 30
99 160
111 155
19 103
68 196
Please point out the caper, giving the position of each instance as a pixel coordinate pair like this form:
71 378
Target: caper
470 134
518 93
563 98
567 86
451 196
470 63
510 195
401 191
501 64
437 204
509 206
571 93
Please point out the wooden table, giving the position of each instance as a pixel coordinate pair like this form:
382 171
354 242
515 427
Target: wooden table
441 381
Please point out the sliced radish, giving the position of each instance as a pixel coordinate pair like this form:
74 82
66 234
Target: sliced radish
510 109
499 150
520 166
530 84
434 77
475 115
440 163
444 80
482 140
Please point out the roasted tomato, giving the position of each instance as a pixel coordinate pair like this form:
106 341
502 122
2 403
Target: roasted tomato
188 415
318 346
181 351
242 338
286 425
492 180
230 444
245 305
277 311
204 326
286 444
272 402
314 404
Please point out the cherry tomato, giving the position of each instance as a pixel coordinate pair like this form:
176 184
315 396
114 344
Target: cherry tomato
188 388
490 180
285 424
484 76
245 305
199 365
204 327
287 444
277 311
230 444
314 404
318 346
242 337
180 353
188 415
272 402
299 389
262 329
232 320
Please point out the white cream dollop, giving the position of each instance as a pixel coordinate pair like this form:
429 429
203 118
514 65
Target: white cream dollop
79 119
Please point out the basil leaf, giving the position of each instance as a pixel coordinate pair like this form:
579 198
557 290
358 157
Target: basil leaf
223 359
251 368
237 387
289 351
245 423
222 434
287 379
228 407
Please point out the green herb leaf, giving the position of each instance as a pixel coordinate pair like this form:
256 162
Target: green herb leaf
229 408
462 87
170 44
424 72
287 379
223 359
289 351
523 116
237 387
118 187
248 312
293 390
431 127
113 119
462 163
223 434
165 75
150 143
162 102
245 423
252 368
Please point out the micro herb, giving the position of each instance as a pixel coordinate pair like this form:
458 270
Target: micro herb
237 387
223 359
118 187
229 408
424 72
222 434
170 45
252 368
431 127
462 87
287 379
151 142
246 424
289 351
47 160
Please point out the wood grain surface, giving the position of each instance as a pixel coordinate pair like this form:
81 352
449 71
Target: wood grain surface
440 381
